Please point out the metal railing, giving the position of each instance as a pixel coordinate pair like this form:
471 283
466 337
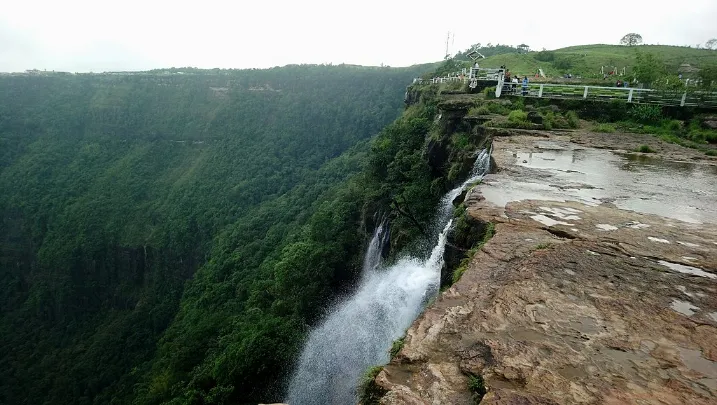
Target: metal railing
625 94
692 98
464 76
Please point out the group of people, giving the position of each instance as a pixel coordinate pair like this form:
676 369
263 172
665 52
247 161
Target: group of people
515 80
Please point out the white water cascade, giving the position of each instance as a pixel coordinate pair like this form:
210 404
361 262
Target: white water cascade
359 331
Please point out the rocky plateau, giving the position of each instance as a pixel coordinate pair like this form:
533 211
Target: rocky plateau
599 286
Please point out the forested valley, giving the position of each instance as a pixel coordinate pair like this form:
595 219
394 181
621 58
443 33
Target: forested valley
170 236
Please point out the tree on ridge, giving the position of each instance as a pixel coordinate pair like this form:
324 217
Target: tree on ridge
631 39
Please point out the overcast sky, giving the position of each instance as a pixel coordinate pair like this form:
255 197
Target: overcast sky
82 35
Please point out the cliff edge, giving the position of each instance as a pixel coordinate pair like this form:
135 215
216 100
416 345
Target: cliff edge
599 286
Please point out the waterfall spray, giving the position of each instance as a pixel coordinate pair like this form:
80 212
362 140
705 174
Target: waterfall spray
358 332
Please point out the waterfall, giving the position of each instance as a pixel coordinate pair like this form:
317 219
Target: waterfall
358 332
372 257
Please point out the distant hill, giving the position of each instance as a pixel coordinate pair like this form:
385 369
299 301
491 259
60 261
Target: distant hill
586 60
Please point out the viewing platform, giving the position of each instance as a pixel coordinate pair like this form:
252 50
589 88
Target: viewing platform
481 78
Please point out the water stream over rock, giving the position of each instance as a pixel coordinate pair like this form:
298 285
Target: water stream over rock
359 331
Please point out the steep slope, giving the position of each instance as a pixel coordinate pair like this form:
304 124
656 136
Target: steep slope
117 189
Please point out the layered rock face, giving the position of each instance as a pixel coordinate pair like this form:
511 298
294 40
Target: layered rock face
597 288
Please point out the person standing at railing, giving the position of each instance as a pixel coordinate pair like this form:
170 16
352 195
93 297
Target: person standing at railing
525 85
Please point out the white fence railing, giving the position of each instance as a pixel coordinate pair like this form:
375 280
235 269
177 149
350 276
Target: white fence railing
704 99
626 94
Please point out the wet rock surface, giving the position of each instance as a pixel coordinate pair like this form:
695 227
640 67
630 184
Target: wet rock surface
584 295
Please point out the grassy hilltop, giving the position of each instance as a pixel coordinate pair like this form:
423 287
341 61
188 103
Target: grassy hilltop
586 60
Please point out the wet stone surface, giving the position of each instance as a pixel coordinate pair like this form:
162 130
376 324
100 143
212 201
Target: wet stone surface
563 171
599 287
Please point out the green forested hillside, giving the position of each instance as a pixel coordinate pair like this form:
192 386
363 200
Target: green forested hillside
169 237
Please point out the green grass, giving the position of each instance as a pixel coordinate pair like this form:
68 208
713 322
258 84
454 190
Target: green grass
451 87
573 120
476 385
605 128
396 346
556 120
543 246
370 393
517 117
480 110
489 92
673 131
461 141
585 60
498 108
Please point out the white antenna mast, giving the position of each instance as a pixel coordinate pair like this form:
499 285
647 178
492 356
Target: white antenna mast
448 37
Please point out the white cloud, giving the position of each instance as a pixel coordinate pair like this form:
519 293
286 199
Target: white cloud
81 35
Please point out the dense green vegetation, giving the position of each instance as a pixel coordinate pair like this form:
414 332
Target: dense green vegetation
169 238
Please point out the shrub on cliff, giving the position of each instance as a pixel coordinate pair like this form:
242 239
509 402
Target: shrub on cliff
369 392
476 385
396 346
573 120
489 92
481 110
498 108
646 113
645 149
517 117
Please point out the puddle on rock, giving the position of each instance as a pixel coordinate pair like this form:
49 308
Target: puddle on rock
681 268
693 359
634 183
684 307
683 290
547 221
